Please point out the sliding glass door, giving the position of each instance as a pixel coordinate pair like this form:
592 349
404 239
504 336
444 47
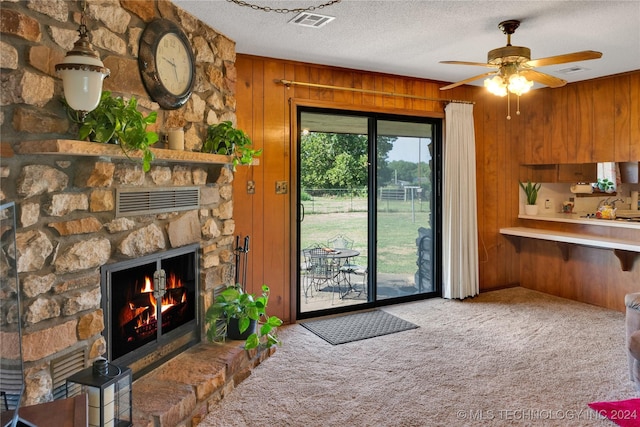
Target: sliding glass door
366 197
334 204
404 214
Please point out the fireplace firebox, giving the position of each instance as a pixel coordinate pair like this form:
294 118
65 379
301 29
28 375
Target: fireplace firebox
150 306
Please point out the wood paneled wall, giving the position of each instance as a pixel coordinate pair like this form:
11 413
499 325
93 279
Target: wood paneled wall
264 112
591 121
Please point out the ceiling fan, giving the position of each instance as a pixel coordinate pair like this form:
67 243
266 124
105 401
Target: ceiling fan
512 61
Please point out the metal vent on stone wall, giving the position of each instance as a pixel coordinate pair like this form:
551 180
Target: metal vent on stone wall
130 201
62 368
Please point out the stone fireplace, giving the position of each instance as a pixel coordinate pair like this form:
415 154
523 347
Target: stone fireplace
71 236
66 191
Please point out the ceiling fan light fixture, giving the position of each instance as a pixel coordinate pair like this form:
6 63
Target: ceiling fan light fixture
519 85
496 86
515 68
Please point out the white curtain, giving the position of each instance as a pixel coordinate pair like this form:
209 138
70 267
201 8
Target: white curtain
460 223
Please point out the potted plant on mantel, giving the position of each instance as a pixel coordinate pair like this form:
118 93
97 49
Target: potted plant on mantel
238 315
223 138
118 122
531 191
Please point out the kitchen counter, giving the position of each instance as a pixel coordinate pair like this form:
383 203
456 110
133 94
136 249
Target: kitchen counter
626 250
576 218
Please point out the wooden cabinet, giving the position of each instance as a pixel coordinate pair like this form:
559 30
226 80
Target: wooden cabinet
567 172
578 172
629 172
586 122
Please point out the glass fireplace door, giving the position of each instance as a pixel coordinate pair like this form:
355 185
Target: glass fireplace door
146 299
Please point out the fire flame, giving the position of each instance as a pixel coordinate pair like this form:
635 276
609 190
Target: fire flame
168 300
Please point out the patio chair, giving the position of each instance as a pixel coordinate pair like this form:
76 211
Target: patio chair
324 271
359 270
343 242
340 242
306 278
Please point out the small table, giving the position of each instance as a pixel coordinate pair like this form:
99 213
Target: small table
342 253
342 256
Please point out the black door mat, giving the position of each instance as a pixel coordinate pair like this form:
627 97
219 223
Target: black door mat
358 326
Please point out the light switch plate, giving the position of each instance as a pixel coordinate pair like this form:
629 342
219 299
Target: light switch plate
282 187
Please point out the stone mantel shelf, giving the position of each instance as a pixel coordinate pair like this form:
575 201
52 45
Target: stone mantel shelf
83 148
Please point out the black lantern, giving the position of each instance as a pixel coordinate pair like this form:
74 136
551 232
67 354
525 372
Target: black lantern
109 393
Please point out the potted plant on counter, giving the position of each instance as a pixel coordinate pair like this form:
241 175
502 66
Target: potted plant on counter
223 138
238 315
531 191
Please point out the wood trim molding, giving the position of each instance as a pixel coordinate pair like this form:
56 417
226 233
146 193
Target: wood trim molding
301 102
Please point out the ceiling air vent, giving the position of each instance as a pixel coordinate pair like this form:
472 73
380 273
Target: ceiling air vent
307 19
138 201
573 70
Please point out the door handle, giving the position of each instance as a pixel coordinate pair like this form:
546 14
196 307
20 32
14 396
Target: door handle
302 213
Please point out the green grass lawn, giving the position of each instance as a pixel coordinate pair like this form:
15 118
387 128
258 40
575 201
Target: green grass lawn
397 232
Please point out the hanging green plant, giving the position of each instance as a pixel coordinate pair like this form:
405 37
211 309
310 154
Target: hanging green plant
118 122
223 138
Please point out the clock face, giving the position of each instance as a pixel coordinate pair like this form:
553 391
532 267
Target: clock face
166 64
173 64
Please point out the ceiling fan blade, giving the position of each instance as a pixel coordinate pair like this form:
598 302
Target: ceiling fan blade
478 64
470 79
543 78
561 59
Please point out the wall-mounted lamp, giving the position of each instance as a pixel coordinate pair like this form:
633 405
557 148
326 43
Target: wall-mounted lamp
82 73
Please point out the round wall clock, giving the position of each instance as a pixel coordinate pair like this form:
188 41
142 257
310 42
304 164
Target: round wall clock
166 63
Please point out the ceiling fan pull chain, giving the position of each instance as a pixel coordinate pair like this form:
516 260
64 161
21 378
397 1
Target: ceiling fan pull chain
508 105
518 112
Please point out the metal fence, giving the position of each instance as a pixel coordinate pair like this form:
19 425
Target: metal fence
335 200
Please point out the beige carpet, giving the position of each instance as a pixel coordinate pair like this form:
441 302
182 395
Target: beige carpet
508 357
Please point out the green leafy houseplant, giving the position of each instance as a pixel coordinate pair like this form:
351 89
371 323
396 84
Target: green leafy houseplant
605 185
120 122
223 138
234 303
531 190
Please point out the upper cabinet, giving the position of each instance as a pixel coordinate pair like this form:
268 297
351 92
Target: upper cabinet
629 172
585 122
580 172
570 173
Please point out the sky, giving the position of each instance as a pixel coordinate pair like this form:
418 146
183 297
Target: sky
408 149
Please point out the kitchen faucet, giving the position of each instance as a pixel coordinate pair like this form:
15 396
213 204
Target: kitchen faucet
613 204
604 202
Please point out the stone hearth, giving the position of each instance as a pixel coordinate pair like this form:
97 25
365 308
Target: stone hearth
184 390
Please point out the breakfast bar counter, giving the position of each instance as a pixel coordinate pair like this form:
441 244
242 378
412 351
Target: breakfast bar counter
626 250
579 218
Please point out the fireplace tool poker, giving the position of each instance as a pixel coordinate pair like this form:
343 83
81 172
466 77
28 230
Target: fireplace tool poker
241 259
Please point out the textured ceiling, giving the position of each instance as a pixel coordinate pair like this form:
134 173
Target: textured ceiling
410 37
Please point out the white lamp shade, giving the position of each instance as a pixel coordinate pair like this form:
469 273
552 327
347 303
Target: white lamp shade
82 78
496 86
